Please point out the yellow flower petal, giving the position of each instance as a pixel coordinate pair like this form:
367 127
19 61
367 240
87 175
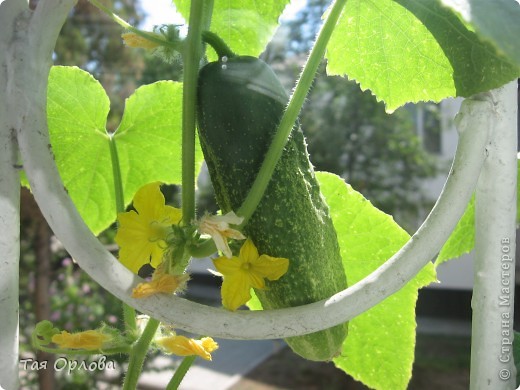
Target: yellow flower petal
246 271
272 268
157 253
134 257
184 346
165 283
209 344
136 249
134 40
142 234
248 252
172 215
256 280
235 291
227 266
150 204
149 201
131 228
89 340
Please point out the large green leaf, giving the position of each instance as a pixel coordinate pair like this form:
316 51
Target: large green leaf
245 25
77 109
411 50
462 239
379 349
148 140
497 20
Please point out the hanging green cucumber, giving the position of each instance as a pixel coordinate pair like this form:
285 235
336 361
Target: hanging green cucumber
240 103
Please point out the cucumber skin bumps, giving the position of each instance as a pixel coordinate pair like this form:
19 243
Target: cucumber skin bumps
240 104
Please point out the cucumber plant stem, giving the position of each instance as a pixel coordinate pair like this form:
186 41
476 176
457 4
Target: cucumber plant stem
138 354
200 18
180 372
207 15
116 171
128 311
218 44
296 101
191 60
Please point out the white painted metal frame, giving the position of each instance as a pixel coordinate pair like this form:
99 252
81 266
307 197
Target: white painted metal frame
484 130
9 209
492 365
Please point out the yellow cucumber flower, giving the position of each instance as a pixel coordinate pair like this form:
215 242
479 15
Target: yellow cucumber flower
89 339
217 226
160 283
247 270
142 233
138 41
184 346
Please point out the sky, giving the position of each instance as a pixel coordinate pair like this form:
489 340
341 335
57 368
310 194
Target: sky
159 12
163 12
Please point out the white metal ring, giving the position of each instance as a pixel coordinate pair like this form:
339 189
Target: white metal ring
68 226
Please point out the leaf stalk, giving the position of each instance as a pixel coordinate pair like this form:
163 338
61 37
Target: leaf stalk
290 116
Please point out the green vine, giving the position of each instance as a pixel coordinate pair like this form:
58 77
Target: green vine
180 372
218 44
138 354
128 311
191 62
291 114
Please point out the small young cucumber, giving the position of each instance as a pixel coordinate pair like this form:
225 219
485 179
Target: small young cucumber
240 103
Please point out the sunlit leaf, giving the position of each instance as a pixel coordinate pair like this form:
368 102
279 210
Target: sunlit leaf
410 51
462 240
497 21
379 349
148 140
245 25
